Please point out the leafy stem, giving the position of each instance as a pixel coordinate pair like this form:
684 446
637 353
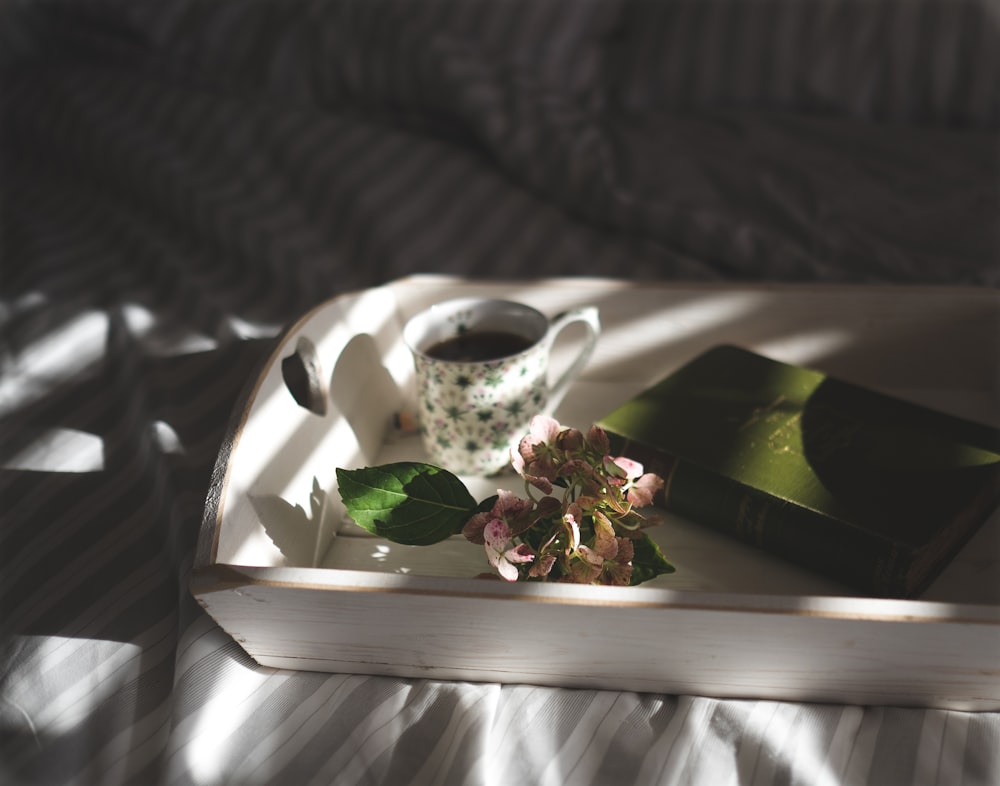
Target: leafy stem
591 535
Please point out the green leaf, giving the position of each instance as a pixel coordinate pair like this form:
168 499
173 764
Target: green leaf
648 561
407 502
486 504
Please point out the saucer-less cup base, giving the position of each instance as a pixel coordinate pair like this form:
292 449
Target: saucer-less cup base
473 412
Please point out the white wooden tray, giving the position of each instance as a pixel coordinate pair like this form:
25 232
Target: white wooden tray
299 586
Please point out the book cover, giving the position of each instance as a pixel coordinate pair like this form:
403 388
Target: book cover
871 490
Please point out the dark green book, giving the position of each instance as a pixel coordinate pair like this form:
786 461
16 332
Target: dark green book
871 490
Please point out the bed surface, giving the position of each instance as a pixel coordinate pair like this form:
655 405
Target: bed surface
179 182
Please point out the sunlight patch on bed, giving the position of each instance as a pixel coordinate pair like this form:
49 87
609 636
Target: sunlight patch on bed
60 450
58 355
167 438
89 672
234 699
159 340
246 329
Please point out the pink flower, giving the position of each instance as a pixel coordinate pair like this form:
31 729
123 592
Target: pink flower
513 511
632 469
545 429
534 458
540 481
496 537
511 507
582 537
639 488
622 467
642 491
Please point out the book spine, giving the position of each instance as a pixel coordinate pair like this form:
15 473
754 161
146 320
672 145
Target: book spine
804 537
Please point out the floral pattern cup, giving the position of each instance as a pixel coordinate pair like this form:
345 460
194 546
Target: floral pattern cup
472 412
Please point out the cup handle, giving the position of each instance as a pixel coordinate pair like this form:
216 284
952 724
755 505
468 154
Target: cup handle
589 316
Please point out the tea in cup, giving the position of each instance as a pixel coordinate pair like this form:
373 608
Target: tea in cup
482 373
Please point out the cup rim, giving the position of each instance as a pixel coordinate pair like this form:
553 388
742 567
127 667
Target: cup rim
413 343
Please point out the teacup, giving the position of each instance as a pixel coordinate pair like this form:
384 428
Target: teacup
482 369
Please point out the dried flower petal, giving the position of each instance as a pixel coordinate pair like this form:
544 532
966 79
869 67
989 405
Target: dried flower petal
643 490
590 500
632 469
571 518
626 551
612 470
537 444
570 440
605 542
592 557
618 572
543 566
519 554
541 483
597 438
582 571
517 459
544 428
509 506
577 469
547 506
496 536
473 529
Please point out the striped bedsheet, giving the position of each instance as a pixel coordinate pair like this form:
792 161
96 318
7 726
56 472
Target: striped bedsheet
181 180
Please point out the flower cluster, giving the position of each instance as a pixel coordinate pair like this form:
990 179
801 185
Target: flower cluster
587 536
